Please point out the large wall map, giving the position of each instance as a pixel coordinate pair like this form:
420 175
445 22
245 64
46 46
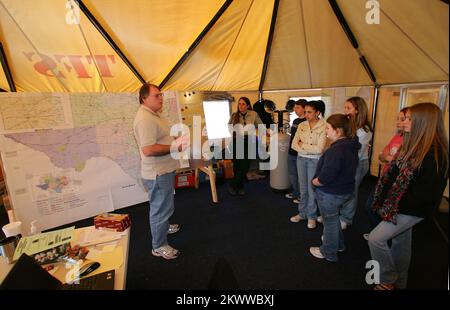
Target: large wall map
71 156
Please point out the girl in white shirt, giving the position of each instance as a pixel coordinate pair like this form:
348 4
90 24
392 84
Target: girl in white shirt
356 107
309 142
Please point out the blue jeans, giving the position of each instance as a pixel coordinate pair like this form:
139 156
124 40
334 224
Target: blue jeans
293 175
349 208
394 261
333 238
306 168
160 195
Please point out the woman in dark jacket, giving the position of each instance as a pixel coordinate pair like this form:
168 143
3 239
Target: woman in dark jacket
335 181
408 192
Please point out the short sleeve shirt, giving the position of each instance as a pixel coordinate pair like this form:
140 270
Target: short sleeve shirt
150 128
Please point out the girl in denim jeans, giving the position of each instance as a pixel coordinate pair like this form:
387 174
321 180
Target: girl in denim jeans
335 181
408 192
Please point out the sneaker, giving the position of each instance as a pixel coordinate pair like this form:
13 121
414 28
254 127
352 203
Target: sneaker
296 218
311 224
344 225
320 219
296 201
232 191
241 192
315 251
166 252
289 196
366 236
173 228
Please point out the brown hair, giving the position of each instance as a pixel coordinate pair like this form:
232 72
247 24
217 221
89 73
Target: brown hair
235 118
362 117
343 122
144 91
427 132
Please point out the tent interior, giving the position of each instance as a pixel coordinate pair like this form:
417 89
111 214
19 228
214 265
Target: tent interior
393 53
270 49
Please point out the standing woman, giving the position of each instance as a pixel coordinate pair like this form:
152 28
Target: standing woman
247 118
391 149
408 192
309 142
389 153
335 181
356 107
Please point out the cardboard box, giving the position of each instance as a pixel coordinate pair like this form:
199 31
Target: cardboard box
185 179
227 165
111 221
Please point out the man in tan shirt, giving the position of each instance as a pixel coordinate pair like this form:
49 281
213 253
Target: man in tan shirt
158 167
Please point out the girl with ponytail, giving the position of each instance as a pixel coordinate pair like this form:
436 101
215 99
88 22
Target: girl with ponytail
335 181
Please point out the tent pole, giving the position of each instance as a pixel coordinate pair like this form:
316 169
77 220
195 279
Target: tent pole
6 69
269 44
374 118
196 42
108 39
351 37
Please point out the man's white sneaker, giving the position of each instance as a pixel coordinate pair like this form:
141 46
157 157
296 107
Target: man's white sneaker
344 225
320 219
289 196
296 201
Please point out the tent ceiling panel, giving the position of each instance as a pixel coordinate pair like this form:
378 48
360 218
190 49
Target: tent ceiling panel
23 38
51 48
408 45
64 53
242 70
288 66
113 72
207 67
332 58
316 45
154 35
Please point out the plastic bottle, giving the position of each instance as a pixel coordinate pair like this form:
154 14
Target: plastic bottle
33 229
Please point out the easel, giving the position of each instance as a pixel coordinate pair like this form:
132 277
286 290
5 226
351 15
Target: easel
207 168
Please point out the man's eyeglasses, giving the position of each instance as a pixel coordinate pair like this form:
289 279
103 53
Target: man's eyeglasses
160 95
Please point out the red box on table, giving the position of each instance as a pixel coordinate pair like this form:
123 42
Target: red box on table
185 179
111 221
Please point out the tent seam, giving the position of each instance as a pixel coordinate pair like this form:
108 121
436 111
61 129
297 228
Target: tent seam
232 46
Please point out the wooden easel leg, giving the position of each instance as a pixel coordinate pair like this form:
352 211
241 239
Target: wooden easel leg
196 178
212 182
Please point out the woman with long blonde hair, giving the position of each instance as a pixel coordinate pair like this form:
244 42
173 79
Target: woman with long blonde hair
356 108
408 192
